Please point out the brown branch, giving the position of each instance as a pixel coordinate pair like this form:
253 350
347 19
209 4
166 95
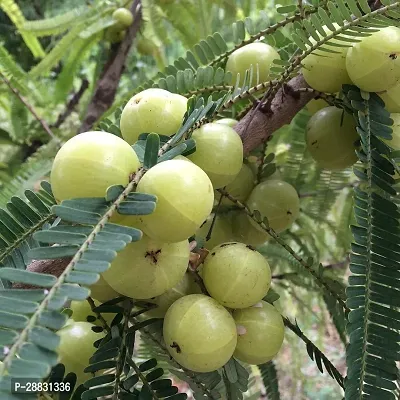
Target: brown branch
107 85
75 99
30 108
258 125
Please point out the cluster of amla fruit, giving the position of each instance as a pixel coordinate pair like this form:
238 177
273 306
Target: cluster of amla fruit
233 319
372 64
123 19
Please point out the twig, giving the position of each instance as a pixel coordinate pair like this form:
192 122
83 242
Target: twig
333 372
99 316
71 104
121 360
284 276
107 85
340 264
270 30
42 122
301 8
193 269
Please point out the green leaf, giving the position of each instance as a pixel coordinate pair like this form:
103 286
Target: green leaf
28 369
11 8
13 321
45 338
148 365
17 305
99 380
286 9
27 277
97 392
136 208
151 150
48 253
56 24
52 319
29 351
75 215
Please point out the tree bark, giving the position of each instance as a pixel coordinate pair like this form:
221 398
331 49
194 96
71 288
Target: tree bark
257 126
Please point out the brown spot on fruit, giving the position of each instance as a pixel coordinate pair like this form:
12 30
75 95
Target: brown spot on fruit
175 346
153 255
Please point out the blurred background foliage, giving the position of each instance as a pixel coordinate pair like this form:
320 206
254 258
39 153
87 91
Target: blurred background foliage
48 69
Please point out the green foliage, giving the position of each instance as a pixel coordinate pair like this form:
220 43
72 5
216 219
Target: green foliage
270 380
18 222
10 7
316 354
55 25
372 290
236 379
34 227
29 173
12 71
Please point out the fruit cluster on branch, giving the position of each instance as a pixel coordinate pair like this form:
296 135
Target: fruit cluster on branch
256 127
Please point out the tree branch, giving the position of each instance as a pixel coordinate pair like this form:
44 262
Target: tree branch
107 85
75 99
258 125
30 108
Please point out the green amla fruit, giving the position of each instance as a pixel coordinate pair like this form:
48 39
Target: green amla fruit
102 291
145 46
326 72
240 188
76 348
123 17
185 198
315 105
392 99
374 63
258 55
199 333
114 34
221 232
227 121
236 275
261 333
184 287
152 110
394 143
219 153
330 136
82 312
148 268
245 232
278 201
89 163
